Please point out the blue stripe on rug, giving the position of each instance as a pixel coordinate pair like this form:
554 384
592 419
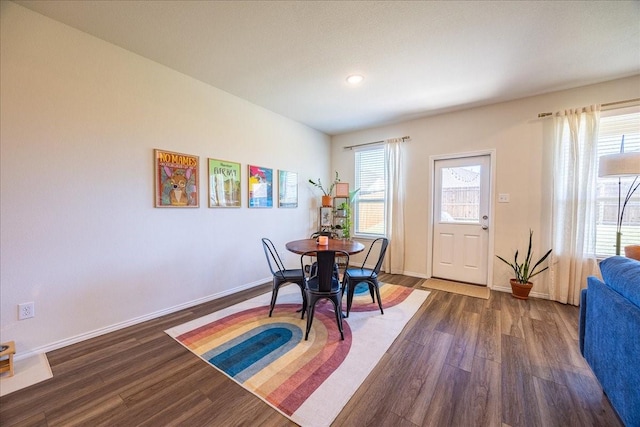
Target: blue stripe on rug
246 354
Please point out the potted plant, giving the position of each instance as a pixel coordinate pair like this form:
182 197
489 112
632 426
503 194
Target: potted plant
327 200
521 285
346 206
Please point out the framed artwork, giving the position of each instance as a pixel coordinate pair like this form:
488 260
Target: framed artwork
342 189
176 180
325 216
260 187
224 184
287 189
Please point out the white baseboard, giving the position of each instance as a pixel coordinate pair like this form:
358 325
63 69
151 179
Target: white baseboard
117 326
418 275
531 294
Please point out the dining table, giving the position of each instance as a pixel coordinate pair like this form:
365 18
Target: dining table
311 245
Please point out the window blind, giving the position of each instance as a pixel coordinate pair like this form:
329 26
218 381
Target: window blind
612 127
370 203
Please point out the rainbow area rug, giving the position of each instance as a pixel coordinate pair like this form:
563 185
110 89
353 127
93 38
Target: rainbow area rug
307 381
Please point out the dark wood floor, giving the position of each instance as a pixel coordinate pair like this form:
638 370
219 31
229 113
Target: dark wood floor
461 361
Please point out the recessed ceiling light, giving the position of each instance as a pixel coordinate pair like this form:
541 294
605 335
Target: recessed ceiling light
355 79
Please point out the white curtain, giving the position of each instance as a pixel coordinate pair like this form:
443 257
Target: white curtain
574 189
394 258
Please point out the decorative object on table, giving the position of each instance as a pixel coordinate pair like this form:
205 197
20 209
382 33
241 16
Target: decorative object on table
287 189
281 275
260 187
176 179
7 350
307 381
521 285
355 276
224 184
327 199
323 240
621 165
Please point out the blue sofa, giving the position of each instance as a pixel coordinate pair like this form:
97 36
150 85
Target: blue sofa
610 333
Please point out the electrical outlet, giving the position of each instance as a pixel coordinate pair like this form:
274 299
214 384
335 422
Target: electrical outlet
26 310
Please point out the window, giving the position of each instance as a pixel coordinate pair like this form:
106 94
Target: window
460 194
369 205
613 125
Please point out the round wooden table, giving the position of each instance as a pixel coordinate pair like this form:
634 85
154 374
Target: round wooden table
311 245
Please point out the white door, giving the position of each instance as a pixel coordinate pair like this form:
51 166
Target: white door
461 219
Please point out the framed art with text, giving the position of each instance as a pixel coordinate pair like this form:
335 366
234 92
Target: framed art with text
260 187
176 180
287 189
224 184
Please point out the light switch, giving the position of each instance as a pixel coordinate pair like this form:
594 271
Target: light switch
503 198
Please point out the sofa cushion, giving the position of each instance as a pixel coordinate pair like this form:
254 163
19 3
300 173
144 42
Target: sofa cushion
623 276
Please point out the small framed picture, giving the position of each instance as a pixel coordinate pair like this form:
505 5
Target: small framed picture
176 180
224 184
260 187
342 189
326 219
288 189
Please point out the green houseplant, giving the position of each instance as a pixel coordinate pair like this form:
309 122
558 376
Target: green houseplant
521 285
346 206
326 191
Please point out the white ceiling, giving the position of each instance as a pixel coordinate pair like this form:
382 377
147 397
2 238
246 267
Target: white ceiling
418 58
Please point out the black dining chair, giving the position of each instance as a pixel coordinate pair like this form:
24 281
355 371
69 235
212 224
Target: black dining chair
323 283
281 275
354 276
329 234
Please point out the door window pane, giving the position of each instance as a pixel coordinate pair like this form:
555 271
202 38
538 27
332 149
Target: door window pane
460 194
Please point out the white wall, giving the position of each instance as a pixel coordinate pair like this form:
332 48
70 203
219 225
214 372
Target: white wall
79 234
523 156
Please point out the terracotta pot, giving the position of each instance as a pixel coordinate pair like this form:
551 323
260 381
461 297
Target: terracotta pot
520 290
632 251
327 201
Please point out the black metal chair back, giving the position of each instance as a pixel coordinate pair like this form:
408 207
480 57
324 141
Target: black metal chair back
383 242
329 234
281 275
353 276
323 282
273 257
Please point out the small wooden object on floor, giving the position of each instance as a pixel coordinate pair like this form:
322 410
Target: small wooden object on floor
7 350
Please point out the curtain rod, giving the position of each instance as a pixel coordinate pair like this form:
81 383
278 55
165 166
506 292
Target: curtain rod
403 139
608 104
